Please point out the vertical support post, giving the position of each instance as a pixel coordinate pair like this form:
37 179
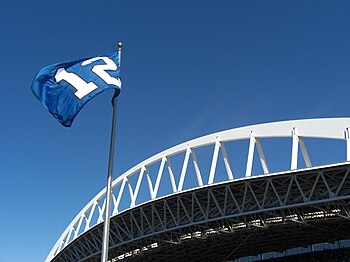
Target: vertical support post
305 152
295 145
184 169
347 137
227 164
171 174
261 156
248 171
105 243
196 167
133 200
159 176
214 161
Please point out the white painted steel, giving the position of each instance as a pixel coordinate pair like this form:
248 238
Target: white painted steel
227 164
333 128
261 156
295 145
347 137
305 152
248 171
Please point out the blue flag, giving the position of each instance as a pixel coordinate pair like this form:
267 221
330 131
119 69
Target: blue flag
64 88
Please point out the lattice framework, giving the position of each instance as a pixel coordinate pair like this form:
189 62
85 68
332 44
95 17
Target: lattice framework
91 216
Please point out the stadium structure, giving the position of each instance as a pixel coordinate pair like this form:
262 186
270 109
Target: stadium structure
247 194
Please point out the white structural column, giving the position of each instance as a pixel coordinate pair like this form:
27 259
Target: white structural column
296 140
347 138
252 142
304 152
248 171
171 175
196 168
149 181
121 190
227 164
214 161
137 188
295 145
159 176
184 169
261 156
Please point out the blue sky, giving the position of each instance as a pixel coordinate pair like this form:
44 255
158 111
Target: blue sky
189 68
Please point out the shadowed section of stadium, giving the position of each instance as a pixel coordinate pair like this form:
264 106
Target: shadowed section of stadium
327 255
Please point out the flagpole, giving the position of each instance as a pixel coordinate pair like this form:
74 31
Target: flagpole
105 243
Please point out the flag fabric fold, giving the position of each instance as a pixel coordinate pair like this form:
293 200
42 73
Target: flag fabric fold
64 88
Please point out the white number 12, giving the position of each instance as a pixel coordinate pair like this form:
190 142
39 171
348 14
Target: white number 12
83 88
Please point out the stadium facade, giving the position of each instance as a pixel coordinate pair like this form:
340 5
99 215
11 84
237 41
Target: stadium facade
245 194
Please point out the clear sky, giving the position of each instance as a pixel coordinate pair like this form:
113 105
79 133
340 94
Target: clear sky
189 68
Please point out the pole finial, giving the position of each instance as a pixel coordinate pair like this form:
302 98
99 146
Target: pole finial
120 44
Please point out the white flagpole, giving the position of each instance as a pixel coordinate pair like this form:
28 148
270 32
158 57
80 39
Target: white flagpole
105 243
